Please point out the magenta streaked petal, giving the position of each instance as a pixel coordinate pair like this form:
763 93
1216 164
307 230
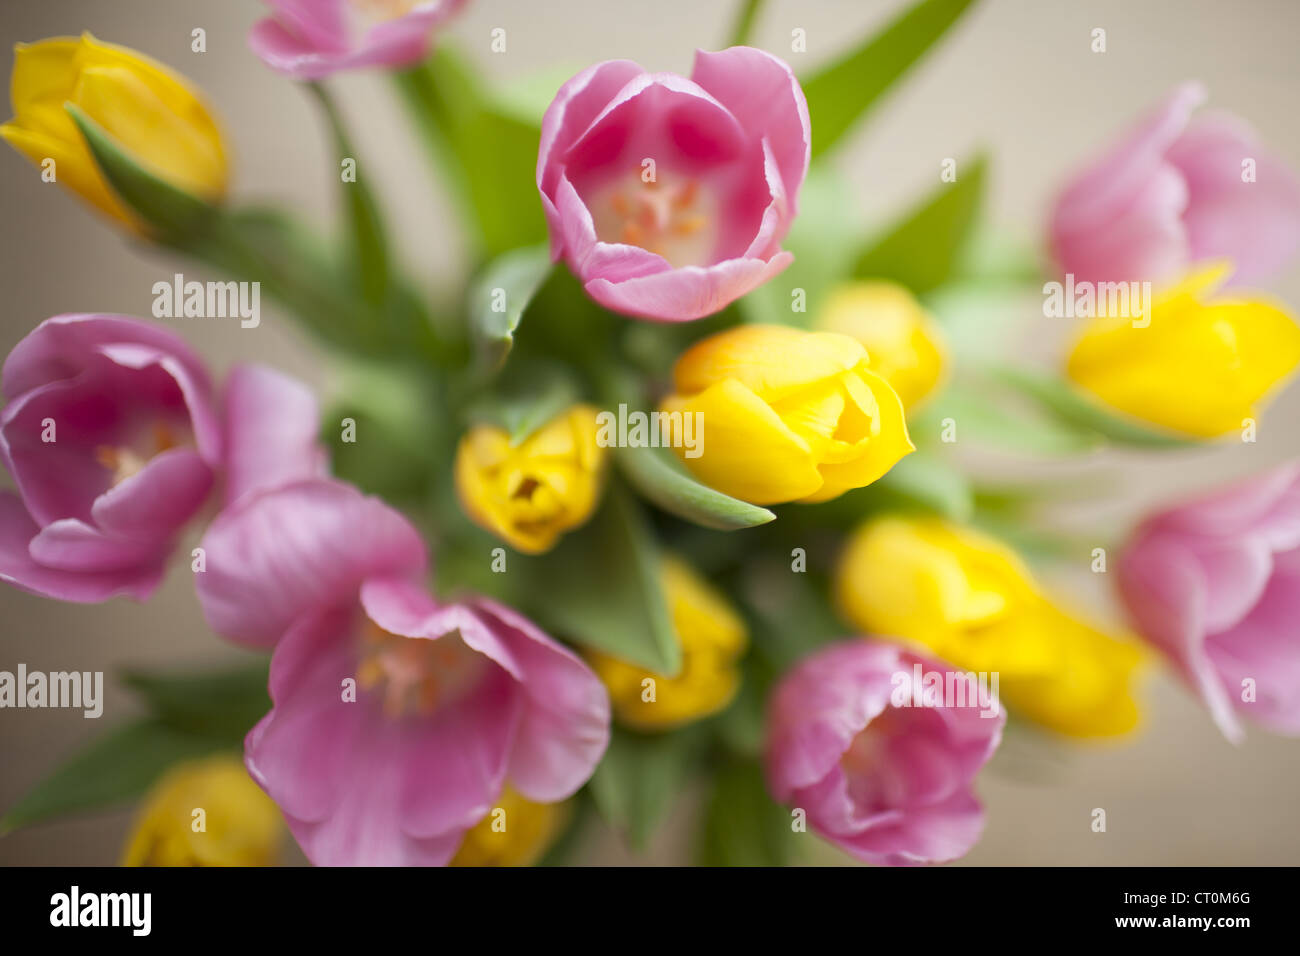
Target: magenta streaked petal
17 567
687 293
762 93
272 431
933 833
402 607
279 554
564 728
887 782
158 500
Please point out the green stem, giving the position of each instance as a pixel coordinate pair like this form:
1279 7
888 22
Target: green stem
368 247
434 116
744 25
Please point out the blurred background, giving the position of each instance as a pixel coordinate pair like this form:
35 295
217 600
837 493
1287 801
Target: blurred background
1015 77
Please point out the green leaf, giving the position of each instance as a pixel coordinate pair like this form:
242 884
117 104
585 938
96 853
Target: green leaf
925 249
654 474
840 94
518 275
925 480
168 210
489 153
113 769
742 826
1059 398
600 587
222 703
639 778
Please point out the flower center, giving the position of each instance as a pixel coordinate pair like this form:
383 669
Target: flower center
124 461
381 11
670 219
415 675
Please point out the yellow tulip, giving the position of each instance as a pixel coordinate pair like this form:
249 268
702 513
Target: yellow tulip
516 832
531 493
206 813
786 415
970 600
152 113
902 340
712 637
1202 364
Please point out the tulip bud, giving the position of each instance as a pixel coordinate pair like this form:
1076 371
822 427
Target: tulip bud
712 638
151 113
532 492
902 341
1197 365
788 415
970 600
206 813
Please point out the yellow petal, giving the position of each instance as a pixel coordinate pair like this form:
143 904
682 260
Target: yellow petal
712 637
770 360
515 832
241 825
73 167
903 342
531 494
746 450
1198 368
166 143
876 451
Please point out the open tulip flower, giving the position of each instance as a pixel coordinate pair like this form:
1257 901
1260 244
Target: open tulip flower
666 497
114 438
668 197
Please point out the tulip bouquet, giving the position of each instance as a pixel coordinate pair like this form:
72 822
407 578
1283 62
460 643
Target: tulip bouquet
664 497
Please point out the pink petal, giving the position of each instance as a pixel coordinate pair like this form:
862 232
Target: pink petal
1265 647
926 834
1121 219
564 728
272 427
278 555
18 568
761 91
577 103
158 500
687 293
1255 224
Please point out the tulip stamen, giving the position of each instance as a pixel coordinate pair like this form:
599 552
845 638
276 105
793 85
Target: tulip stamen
126 461
414 675
668 219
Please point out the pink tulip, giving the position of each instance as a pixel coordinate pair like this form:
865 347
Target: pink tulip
669 197
888 783
1177 191
396 720
114 445
310 39
1215 585
112 440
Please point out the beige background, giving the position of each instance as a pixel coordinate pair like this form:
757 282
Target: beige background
1016 76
